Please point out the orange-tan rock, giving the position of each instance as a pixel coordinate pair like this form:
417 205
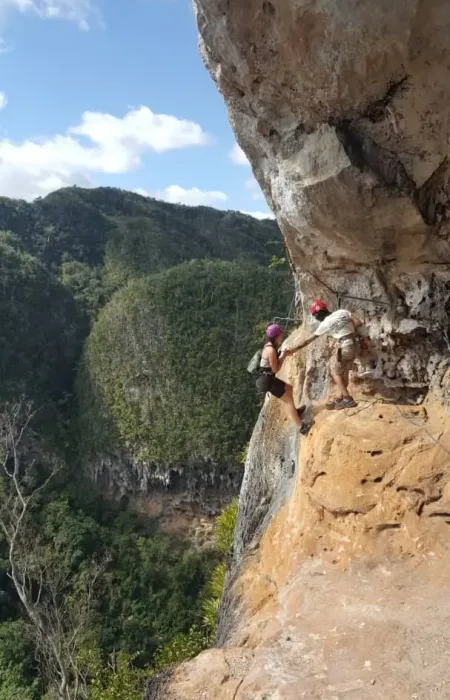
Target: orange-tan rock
347 594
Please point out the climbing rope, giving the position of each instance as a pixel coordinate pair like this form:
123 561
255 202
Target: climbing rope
286 319
341 295
291 309
416 425
423 428
369 404
283 319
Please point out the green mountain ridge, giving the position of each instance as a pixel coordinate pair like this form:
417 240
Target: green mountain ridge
88 224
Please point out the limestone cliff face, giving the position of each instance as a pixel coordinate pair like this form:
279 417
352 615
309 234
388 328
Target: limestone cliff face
339 584
343 109
185 499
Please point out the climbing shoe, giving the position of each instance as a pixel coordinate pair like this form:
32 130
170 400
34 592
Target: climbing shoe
347 402
306 427
340 404
333 405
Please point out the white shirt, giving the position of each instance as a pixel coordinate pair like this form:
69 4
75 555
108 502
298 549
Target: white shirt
338 324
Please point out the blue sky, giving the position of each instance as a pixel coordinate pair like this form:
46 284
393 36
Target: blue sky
114 92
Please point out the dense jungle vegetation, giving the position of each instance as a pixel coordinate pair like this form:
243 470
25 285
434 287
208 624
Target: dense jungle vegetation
126 326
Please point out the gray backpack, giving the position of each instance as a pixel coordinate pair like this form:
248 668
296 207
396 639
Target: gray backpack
255 362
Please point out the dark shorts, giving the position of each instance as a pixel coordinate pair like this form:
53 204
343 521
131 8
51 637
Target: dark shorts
269 383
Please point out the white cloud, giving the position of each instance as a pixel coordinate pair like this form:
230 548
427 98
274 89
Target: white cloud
78 11
192 197
252 185
101 143
142 192
238 156
3 100
260 214
138 131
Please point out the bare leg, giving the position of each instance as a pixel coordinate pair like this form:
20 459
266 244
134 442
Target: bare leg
289 406
341 384
346 379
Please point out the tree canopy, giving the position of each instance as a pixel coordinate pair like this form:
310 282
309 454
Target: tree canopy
40 326
166 362
64 256
133 235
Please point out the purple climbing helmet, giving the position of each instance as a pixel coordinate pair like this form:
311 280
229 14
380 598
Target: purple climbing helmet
274 330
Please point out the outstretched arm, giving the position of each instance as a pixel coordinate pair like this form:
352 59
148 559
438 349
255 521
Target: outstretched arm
308 341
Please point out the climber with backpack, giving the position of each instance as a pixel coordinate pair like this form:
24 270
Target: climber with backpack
345 328
266 364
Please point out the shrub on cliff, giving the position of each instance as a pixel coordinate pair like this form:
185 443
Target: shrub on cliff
164 366
226 525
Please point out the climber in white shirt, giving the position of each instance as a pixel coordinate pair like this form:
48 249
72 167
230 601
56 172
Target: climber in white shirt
343 327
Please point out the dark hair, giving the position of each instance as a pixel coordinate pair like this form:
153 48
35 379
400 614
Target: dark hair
269 341
322 315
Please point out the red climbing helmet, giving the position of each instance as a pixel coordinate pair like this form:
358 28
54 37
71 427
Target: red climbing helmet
318 306
274 330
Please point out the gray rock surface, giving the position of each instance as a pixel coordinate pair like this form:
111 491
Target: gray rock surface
268 481
185 499
342 107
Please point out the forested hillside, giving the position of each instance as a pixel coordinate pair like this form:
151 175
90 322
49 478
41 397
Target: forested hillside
41 327
165 363
131 234
126 326
66 257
